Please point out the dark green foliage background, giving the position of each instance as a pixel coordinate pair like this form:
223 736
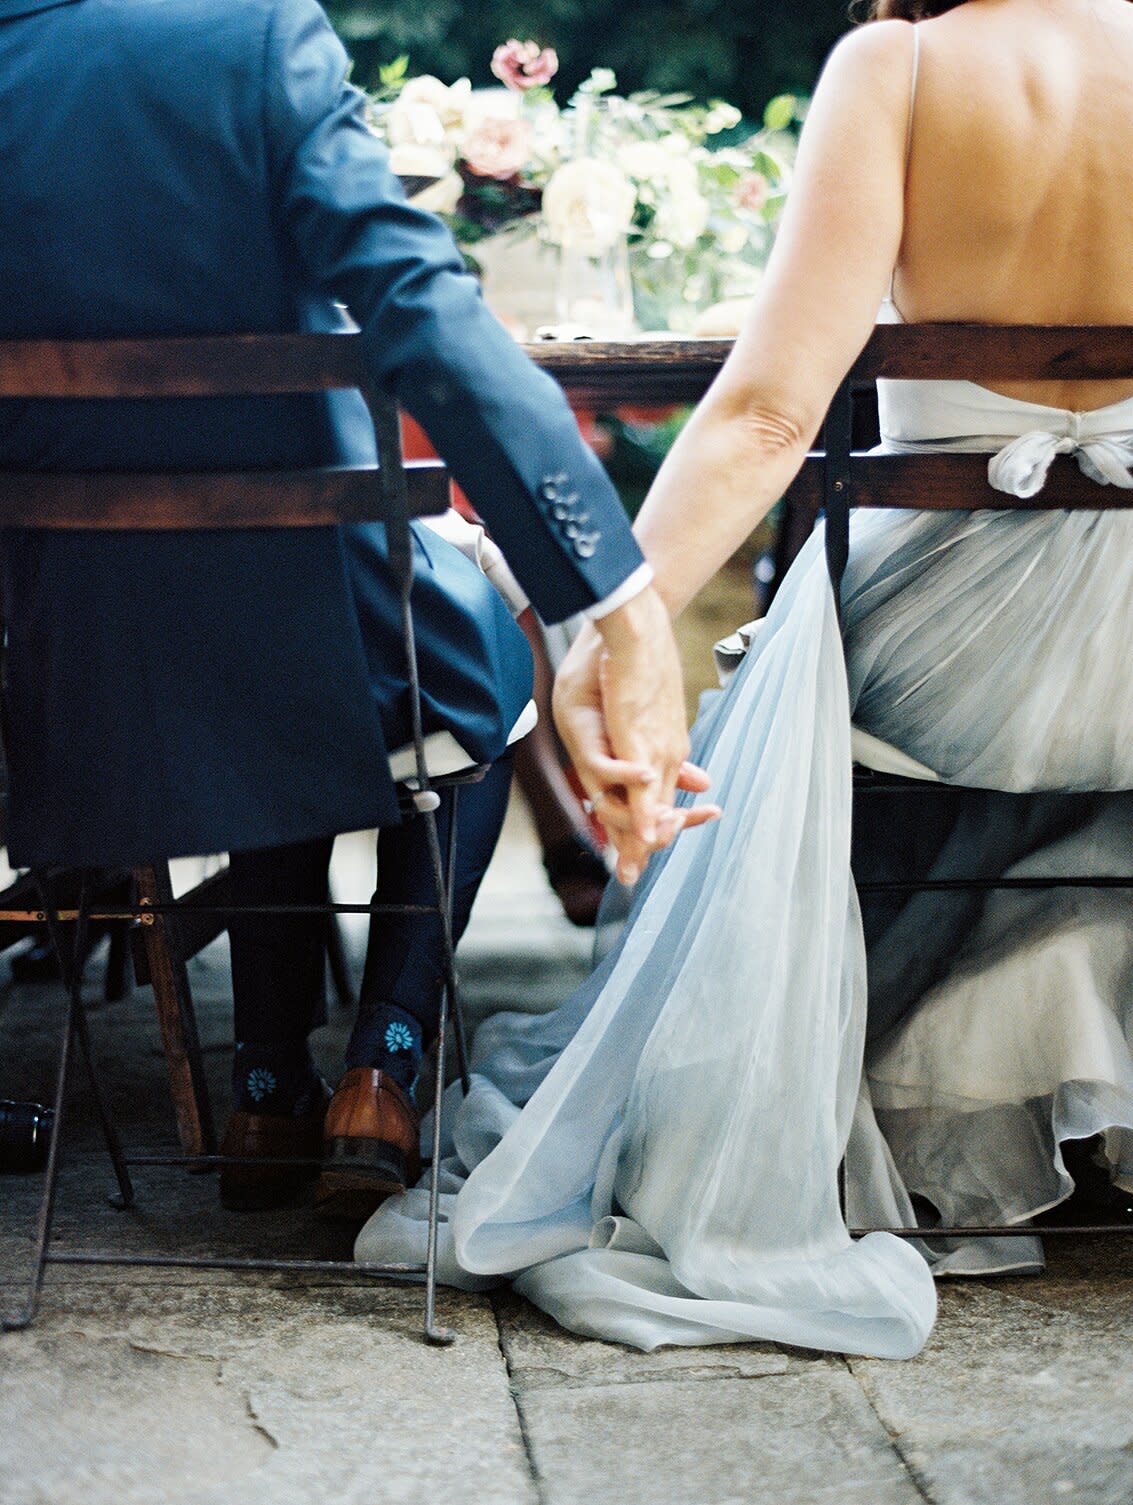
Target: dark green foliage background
744 51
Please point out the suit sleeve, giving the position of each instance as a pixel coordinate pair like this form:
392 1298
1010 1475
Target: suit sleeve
503 427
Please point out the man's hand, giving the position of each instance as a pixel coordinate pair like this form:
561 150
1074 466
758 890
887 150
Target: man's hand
619 707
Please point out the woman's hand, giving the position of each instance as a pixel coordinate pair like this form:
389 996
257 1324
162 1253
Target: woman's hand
619 707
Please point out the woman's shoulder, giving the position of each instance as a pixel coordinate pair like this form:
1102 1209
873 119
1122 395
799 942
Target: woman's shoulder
875 45
869 69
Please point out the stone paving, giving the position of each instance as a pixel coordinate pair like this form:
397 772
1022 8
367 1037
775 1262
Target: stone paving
200 1388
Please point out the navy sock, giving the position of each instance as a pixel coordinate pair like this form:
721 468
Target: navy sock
276 1077
390 1039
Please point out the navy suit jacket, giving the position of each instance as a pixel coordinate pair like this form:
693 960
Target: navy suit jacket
182 167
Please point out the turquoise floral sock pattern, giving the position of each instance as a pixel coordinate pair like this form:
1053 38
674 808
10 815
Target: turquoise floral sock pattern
277 1077
390 1039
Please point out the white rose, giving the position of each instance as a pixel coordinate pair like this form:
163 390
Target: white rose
447 102
588 205
676 144
647 161
683 220
414 123
684 181
409 160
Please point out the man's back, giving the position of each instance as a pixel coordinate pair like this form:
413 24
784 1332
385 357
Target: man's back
183 166
134 149
138 201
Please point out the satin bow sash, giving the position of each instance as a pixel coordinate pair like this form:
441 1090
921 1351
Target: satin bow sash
1021 467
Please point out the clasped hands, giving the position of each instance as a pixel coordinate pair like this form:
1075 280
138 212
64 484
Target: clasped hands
619 708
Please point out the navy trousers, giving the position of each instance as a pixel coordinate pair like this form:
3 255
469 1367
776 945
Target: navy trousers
278 962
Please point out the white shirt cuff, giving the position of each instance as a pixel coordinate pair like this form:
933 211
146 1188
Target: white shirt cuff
632 586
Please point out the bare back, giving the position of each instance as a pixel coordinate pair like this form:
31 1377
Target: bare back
1011 204
1019 196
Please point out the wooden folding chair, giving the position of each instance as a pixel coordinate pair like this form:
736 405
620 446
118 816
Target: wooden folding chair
841 477
390 492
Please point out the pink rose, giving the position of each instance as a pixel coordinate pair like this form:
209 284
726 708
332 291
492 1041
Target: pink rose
497 148
524 65
751 192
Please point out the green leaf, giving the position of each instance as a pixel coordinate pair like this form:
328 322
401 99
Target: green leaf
392 74
769 166
780 112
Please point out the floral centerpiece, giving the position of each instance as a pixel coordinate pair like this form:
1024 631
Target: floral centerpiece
686 194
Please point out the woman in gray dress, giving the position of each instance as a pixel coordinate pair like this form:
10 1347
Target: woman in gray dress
671 1175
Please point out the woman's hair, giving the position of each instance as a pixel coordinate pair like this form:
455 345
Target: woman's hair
909 10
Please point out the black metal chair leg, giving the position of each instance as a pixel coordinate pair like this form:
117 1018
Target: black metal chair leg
439 1336
400 546
73 976
46 1217
451 980
124 1197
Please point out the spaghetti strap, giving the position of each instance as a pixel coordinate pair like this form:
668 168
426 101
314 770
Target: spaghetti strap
913 95
909 130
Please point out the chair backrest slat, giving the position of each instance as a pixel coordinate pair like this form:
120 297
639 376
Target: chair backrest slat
942 482
947 483
230 499
996 353
209 366
219 366
837 478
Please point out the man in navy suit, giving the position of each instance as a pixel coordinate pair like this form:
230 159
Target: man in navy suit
182 167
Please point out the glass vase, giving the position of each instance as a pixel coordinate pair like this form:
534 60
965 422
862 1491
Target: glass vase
594 293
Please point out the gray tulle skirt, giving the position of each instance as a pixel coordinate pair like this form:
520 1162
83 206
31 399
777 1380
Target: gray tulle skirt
657 1160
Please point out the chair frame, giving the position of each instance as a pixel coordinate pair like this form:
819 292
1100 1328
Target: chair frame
839 478
391 492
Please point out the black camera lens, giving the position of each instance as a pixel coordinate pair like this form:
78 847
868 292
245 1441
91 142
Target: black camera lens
25 1131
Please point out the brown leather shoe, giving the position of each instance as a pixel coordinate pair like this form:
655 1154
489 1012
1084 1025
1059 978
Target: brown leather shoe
370 1145
253 1188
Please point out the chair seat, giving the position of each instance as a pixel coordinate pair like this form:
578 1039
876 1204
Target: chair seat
444 755
868 751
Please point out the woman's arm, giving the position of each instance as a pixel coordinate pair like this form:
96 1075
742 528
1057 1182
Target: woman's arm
745 443
816 307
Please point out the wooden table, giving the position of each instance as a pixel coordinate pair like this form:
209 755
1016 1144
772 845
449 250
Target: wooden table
655 372
634 373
